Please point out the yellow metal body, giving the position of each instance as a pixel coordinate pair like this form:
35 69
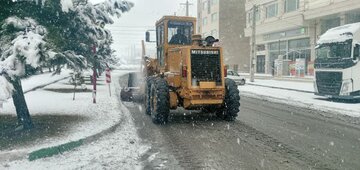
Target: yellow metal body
176 57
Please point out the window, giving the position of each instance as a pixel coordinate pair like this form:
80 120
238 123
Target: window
272 10
352 18
205 21
214 17
329 23
180 32
291 5
160 34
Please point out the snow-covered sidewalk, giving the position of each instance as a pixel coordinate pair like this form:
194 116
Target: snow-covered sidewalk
93 119
283 84
297 98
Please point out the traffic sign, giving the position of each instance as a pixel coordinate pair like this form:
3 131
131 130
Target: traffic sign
108 75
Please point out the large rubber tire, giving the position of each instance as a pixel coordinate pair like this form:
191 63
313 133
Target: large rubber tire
149 81
231 105
160 101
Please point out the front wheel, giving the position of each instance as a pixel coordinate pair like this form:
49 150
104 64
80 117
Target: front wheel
230 108
160 101
147 103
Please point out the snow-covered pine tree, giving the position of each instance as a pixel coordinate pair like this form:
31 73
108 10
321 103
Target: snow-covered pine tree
55 33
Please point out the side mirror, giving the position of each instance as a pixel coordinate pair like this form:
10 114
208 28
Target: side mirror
356 52
147 36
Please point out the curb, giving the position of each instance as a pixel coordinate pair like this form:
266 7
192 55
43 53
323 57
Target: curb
47 152
59 149
303 91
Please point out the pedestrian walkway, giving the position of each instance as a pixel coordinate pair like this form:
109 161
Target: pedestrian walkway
300 94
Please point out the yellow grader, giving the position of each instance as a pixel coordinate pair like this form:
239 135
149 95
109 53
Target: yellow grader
187 72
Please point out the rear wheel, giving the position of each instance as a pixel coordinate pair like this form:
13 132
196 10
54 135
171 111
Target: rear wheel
231 104
160 101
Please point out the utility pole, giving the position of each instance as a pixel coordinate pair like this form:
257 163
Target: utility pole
187 5
253 45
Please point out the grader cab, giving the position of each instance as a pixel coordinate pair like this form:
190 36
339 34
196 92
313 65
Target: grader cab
188 72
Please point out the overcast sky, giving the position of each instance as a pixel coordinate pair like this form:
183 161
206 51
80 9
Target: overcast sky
129 29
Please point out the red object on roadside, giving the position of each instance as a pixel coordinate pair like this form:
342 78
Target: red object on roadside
108 75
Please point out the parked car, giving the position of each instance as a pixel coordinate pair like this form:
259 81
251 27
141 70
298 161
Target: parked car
239 80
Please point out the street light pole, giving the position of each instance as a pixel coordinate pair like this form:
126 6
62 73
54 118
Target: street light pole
253 43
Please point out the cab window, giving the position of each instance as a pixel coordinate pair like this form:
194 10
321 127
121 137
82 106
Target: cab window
179 33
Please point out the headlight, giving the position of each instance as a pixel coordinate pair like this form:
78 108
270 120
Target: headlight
346 88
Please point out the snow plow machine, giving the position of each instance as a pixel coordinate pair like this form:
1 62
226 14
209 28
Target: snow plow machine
188 72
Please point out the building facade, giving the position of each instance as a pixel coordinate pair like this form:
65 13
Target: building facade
287 31
226 20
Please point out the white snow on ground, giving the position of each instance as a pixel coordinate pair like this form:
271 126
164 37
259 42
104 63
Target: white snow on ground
42 79
120 150
305 86
30 83
300 99
106 113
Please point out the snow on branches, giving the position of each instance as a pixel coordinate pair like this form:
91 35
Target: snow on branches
67 42
22 43
27 47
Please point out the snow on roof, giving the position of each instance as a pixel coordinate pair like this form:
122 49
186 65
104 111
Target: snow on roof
339 34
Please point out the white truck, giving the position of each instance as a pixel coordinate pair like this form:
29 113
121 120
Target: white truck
337 66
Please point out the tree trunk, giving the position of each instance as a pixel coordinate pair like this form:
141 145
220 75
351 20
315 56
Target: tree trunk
22 110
